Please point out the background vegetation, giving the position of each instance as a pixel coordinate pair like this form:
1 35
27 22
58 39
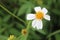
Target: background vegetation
13 19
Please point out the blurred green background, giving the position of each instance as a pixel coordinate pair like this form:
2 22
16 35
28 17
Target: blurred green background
13 19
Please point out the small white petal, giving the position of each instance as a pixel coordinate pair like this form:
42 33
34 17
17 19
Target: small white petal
44 10
34 23
30 16
47 17
39 24
37 9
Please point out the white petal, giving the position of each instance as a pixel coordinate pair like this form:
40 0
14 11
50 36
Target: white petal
47 17
39 24
34 23
44 10
30 16
37 9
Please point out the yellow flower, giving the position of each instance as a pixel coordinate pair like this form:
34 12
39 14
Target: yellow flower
24 31
11 37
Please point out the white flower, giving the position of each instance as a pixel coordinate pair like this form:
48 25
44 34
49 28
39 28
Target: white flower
37 18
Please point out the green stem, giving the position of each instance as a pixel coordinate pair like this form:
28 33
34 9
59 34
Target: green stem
11 13
58 31
49 38
28 28
24 37
50 31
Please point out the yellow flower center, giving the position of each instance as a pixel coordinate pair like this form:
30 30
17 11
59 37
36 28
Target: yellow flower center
39 15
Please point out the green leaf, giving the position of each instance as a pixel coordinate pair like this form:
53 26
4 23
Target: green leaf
14 31
6 18
34 35
42 32
45 26
2 30
22 1
56 11
26 8
57 36
3 37
20 26
22 10
0 21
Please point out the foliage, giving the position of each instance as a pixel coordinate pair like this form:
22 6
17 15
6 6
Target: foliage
13 19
